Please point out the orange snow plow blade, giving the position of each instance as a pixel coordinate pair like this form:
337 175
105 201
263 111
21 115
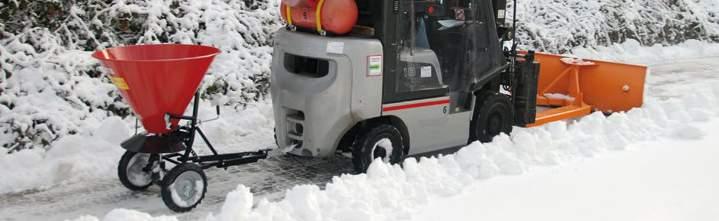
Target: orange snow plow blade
574 87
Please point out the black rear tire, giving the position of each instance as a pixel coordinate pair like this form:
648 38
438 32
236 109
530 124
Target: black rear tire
493 115
181 190
371 144
131 171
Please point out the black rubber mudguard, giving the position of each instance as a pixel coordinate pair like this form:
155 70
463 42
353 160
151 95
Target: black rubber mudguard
145 143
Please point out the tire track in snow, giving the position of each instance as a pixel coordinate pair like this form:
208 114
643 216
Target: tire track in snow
268 178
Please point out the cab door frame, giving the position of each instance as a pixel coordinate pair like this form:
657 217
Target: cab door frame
427 114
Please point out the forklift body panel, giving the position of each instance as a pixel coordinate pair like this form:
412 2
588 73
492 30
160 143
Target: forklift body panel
321 87
430 55
430 124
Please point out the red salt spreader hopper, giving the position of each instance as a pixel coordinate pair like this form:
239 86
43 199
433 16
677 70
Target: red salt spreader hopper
158 82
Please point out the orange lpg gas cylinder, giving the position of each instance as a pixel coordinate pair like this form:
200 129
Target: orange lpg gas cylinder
333 16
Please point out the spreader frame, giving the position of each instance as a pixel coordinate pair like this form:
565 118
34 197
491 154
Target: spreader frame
206 161
177 146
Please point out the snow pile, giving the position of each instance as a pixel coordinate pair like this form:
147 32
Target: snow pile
556 26
632 51
127 215
658 180
78 158
391 192
556 96
75 158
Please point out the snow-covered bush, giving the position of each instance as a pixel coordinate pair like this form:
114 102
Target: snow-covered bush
51 87
560 25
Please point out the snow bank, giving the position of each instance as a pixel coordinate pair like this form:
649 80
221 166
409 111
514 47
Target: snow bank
127 215
391 192
662 181
632 51
75 158
79 158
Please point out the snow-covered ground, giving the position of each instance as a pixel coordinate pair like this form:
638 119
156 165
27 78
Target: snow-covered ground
657 180
681 95
78 158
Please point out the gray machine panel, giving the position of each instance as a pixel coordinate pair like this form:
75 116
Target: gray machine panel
430 125
312 113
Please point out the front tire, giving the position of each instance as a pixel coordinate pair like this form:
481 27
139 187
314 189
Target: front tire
383 141
133 171
493 115
184 187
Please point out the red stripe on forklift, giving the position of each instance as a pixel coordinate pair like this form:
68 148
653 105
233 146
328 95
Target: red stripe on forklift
415 105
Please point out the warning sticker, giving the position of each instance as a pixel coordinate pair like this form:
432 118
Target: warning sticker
335 47
374 65
120 83
426 72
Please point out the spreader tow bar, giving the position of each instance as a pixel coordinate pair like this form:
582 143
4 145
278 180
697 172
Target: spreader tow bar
182 139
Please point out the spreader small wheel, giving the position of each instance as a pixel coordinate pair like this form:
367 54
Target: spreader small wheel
184 187
134 171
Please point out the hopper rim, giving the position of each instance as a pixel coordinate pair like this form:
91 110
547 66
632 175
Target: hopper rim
97 54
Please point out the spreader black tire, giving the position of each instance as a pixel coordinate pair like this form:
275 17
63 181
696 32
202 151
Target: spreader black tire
366 147
493 115
180 190
133 164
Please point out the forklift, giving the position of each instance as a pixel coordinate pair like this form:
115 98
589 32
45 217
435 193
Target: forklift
371 79
395 78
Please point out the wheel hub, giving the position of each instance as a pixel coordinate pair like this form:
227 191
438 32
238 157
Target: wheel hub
187 190
382 149
187 186
379 152
136 173
494 126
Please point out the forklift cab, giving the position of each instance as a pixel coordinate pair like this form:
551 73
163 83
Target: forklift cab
403 82
435 48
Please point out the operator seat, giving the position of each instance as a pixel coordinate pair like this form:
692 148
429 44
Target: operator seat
422 53
448 44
